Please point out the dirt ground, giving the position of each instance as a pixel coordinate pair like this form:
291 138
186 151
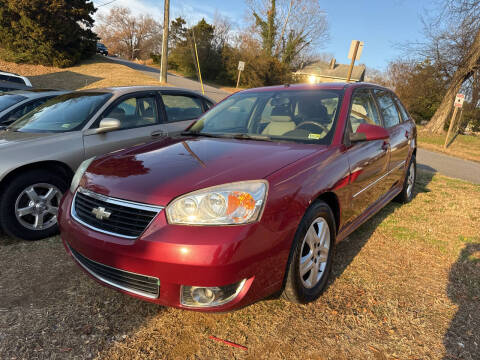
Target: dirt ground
406 285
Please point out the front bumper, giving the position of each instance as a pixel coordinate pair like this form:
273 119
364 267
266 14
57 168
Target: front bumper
187 255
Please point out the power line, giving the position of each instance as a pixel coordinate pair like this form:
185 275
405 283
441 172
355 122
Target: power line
107 3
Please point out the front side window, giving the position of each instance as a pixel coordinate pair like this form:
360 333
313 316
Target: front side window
295 115
62 113
135 112
390 115
182 107
363 110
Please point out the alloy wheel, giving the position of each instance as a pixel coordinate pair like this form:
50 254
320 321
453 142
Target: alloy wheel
314 253
36 207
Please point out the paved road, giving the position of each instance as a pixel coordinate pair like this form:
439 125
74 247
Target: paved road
448 165
178 81
427 160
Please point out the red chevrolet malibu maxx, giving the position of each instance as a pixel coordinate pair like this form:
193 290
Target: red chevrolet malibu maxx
249 202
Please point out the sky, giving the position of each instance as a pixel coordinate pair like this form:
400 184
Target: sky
383 25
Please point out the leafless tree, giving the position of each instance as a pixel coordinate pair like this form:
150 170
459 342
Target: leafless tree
295 26
128 35
453 44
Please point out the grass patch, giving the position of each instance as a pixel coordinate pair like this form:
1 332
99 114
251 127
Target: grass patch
464 146
406 285
94 73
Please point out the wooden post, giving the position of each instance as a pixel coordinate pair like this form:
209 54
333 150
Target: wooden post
164 60
451 126
238 79
350 69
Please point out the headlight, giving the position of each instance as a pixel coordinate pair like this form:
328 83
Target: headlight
79 173
229 204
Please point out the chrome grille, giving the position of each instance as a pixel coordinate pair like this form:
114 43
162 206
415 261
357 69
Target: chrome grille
125 218
143 285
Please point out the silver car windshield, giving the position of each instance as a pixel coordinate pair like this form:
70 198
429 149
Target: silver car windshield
7 100
61 114
292 115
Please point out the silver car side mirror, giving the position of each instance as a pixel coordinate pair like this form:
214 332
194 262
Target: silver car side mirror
108 124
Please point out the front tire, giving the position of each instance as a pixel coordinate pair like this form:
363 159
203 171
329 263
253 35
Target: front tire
311 259
29 205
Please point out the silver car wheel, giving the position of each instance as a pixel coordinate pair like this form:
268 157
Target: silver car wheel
36 207
314 253
410 179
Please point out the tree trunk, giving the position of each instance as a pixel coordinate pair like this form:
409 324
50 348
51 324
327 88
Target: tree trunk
463 72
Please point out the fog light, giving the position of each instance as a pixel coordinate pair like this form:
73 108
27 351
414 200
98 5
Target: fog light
198 296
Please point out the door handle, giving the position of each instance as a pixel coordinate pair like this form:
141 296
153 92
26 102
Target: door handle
407 134
158 133
385 146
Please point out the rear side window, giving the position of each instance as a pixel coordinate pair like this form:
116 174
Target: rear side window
390 115
403 112
13 79
182 107
363 110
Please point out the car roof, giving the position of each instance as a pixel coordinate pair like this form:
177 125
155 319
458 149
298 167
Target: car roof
319 86
123 90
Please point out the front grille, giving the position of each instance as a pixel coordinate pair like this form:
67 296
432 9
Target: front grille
125 219
147 286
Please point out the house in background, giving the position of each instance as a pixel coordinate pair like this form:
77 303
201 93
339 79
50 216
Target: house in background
319 72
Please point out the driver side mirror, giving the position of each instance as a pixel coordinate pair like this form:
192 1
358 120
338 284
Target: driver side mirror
107 125
369 132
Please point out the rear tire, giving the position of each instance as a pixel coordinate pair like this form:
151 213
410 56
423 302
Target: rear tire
311 258
29 204
409 183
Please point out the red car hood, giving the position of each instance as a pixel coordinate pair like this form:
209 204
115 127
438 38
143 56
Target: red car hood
156 173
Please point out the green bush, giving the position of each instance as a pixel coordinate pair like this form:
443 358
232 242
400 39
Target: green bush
47 32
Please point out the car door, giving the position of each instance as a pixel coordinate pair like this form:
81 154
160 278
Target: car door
181 110
368 160
399 135
140 122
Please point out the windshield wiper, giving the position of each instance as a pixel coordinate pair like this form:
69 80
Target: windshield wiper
196 133
230 136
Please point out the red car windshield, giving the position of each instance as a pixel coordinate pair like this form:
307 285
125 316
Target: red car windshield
294 115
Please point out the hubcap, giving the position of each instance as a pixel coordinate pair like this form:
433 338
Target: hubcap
314 253
410 179
36 207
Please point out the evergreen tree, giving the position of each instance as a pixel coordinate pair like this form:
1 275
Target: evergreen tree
47 32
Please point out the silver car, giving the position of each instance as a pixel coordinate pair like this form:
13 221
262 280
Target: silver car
40 152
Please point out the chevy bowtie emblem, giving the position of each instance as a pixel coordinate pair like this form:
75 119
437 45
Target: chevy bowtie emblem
100 213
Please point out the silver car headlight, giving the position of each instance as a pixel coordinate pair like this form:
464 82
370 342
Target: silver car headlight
229 204
79 173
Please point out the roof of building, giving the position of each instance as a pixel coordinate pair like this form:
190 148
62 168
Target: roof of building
337 71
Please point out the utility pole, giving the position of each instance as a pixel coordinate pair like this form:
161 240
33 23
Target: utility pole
166 22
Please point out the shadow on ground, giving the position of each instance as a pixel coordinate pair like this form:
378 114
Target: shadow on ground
67 80
349 248
462 340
